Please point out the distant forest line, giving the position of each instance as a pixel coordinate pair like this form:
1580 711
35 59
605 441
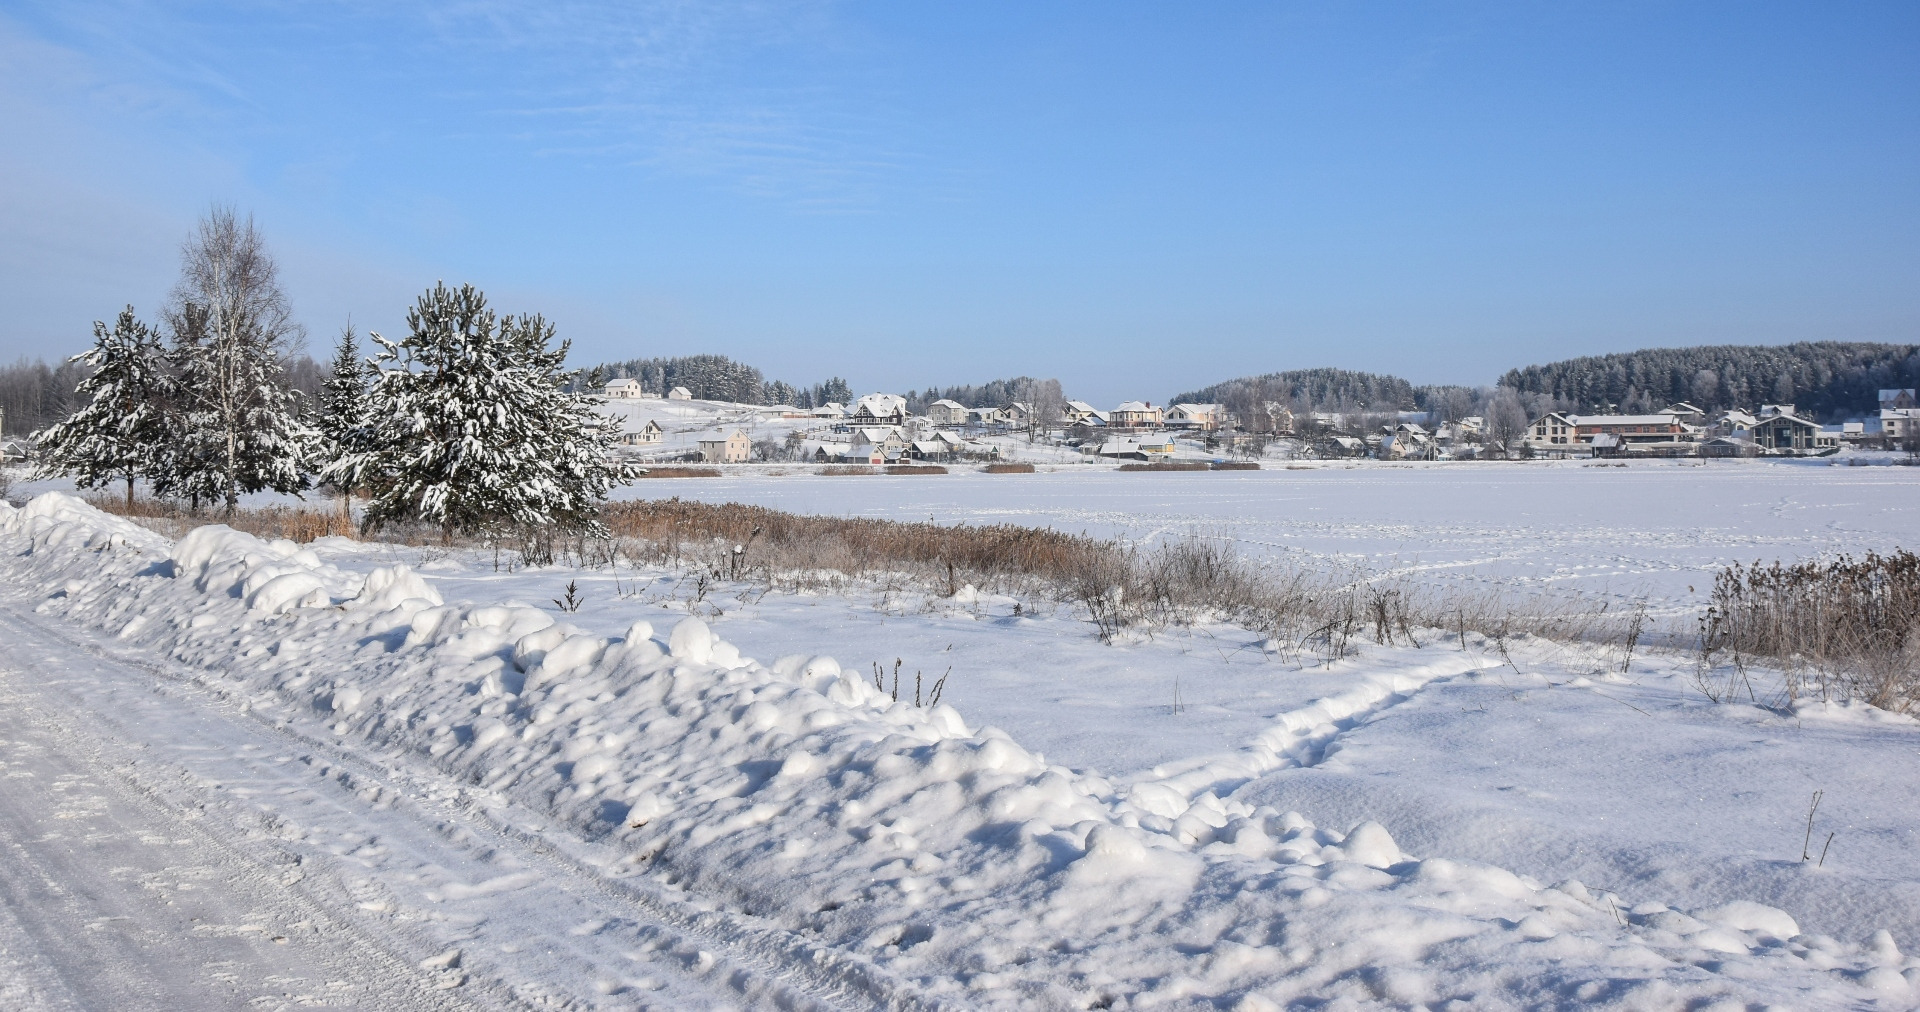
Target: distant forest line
1825 380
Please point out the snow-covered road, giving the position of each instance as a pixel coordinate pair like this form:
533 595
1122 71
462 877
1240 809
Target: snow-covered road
164 849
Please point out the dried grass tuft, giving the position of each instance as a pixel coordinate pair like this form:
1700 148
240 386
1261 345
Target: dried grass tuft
1841 628
294 523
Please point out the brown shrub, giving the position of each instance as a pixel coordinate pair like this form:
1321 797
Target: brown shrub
681 472
1236 465
846 469
915 469
1007 469
1165 465
855 545
294 523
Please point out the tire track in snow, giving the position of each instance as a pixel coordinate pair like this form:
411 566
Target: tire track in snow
119 897
443 822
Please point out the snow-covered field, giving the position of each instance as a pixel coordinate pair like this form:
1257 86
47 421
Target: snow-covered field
279 774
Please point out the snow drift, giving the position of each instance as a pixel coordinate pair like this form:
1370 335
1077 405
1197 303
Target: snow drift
928 860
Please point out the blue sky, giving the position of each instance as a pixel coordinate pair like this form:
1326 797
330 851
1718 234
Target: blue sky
1136 198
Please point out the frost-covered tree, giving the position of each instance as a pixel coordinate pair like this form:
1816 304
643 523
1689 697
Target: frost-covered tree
340 426
1507 420
1045 403
777 392
237 426
471 428
833 391
117 434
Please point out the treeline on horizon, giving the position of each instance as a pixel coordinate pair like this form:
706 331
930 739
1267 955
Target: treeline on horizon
1825 380
719 378
34 395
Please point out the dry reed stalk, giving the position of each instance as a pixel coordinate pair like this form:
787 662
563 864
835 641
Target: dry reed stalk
1843 627
681 472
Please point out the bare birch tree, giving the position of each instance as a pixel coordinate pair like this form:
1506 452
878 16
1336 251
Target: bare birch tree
238 428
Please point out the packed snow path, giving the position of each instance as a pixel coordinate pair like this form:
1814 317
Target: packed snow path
161 849
524 812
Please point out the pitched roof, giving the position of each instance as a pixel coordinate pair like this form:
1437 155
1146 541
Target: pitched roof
1624 419
879 405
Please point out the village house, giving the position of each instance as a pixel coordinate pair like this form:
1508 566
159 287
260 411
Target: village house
1150 446
1685 413
1015 415
1785 431
879 409
1659 428
1136 415
1552 430
734 449
1731 421
679 394
831 409
1204 417
649 434
888 439
1897 424
1403 446
1342 446
1089 428
929 449
1728 446
626 388
1898 399
947 412
1078 411
828 452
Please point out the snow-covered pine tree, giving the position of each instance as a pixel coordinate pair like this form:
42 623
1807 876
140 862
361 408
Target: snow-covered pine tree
573 440
777 392
237 427
117 434
341 424
835 391
471 431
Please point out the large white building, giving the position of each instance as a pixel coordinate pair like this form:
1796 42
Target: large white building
879 409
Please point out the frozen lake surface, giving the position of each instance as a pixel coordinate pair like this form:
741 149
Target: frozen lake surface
1652 529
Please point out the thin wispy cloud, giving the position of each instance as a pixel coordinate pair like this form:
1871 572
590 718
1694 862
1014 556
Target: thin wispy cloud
741 94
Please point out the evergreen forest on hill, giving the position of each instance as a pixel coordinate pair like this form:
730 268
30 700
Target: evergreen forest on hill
1825 380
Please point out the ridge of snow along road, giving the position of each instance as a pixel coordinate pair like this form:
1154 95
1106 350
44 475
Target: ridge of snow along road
926 861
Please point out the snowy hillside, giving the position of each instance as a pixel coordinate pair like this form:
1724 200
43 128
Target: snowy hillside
684 423
676 796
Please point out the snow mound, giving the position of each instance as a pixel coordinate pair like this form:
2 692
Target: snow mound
895 839
56 519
